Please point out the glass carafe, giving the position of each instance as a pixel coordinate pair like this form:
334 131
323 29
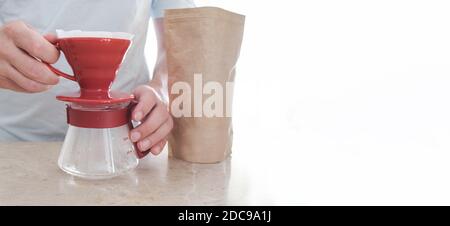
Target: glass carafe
97 153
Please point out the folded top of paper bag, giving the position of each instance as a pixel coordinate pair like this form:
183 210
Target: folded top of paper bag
93 34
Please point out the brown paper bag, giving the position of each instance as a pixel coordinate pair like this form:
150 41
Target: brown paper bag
203 46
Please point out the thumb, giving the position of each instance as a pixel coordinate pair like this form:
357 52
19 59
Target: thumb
51 38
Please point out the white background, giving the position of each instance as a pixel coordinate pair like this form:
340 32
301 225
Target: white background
342 102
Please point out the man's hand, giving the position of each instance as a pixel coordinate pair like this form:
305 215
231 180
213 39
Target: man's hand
156 124
21 49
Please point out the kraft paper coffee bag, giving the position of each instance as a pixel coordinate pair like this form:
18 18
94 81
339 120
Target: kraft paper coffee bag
203 46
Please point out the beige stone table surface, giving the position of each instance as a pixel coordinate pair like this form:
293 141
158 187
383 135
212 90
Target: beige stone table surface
29 175
298 166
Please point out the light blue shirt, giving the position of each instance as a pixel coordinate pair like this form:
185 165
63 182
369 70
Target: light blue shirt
40 117
158 6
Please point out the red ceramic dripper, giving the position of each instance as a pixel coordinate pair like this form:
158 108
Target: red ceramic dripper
95 62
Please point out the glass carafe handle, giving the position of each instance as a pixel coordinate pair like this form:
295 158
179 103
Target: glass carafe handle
140 154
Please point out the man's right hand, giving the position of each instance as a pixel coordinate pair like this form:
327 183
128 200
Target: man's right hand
21 51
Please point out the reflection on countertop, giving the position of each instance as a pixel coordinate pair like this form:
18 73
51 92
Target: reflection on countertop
29 175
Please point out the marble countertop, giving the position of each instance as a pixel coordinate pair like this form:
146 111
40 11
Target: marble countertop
301 165
29 175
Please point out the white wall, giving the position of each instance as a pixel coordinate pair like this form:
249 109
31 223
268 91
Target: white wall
348 100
